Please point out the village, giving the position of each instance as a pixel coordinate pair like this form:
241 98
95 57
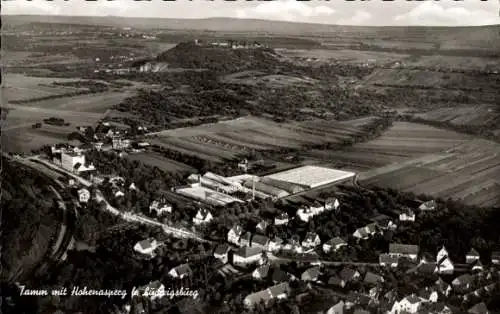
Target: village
359 286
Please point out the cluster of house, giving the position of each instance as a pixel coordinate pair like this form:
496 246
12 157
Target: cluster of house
118 186
161 206
306 213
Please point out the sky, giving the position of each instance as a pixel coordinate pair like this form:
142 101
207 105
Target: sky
365 13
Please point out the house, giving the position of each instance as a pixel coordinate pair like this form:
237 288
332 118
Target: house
146 247
477 266
403 250
261 272
383 222
361 234
388 260
311 274
280 275
281 219
428 294
337 281
260 241
373 279
495 258
275 244
479 308
361 311
372 228
180 271
262 226
132 187
203 216
337 308
428 206
305 213
425 267
409 304
332 203
334 244
317 208
356 299
245 239
442 287
247 255
349 274
277 292
436 308
83 195
118 193
441 253
463 282
160 206
472 256
153 290
233 236
311 240
445 266
407 215
221 252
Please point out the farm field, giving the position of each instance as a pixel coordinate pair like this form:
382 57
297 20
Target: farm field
469 172
228 139
401 142
461 115
156 160
344 55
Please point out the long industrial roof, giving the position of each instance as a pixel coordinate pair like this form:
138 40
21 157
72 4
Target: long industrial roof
312 176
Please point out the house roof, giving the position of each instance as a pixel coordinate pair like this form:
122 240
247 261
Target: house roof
237 229
358 298
310 274
373 278
413 299
283 215
495 254
280 275
427 268
146 244
426 293
348 273
336 241
247 251
463 280
362 232
221 249
335 280
403 248
477 263
182 269
479 308
372 228
441 284
427 205
260 239
388 259
203 212
311 236
277 240
278 289
262 225
473 252
263 270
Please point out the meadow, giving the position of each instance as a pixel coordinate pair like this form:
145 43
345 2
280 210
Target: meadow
163 163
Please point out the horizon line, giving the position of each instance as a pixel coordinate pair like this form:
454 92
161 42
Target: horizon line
245 19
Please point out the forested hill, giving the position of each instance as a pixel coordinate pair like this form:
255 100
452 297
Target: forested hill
29 219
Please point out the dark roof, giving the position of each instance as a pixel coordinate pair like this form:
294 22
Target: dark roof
247 236
372 227
277 240
426 293
495 254
146 244
221 249
361 311
403 248
473 252
348 273
463 279
479 308
280 276
358 298
427 268
260 239
279 289
263 270
310 236
373 278
413 299
283 215
248 251
388 259
183 269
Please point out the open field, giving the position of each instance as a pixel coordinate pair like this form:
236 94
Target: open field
227 139
401 142
461 115
344 55
461 173
21 87
156 160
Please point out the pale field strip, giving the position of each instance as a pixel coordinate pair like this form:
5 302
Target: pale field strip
486 197
162 143
332 136
195 147
292 137
211 141
475 188
159 161
214 147
245 140
223 138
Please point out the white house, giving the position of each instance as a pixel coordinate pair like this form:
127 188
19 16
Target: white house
83 195
221 252
305 213
281 219
74 162
260 241
332 203
247 255
180 271
472 256
311 240
261 272
280 291
428 206
441 253
160 206
203 216
147 246
409 304
495 258
403 250
445 266
407 215
361 234
233 236
275 244
334 244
